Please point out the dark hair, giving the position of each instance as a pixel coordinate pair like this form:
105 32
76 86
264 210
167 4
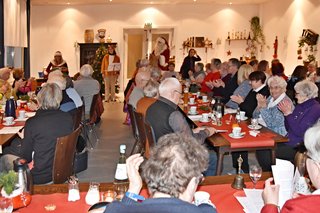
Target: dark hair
17 73
300 73
235 62
262 66
173 162
257 75
277 69
199 64
318 71
208 66
254 62
216 62
190 51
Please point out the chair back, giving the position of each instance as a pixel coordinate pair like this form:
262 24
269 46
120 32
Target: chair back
64 157
141 144
96 108
133 122
77 118
150 134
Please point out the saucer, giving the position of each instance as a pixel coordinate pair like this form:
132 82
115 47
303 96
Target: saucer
256 128
245 118
5 124
206 121
192 103
236 137
193 113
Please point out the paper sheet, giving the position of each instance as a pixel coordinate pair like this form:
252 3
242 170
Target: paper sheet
195 117
10 130
252 202
114 67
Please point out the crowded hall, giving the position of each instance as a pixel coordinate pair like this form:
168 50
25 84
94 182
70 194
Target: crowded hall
139 106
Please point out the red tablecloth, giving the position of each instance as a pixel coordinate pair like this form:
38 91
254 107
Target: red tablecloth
221 195
248 141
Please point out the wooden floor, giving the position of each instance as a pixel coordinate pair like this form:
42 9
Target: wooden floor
103 158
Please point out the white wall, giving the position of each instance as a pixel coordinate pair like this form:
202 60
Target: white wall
58 27
287 20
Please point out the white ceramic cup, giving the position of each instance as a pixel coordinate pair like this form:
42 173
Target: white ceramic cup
22 114
236 131
193 109
8 120
204 98
191 100
201 197
242 115
205 117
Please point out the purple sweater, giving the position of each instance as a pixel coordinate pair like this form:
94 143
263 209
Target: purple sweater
303 116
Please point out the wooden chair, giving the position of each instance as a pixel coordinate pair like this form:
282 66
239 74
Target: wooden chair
133 122
77 118
64 157
150 134
141 144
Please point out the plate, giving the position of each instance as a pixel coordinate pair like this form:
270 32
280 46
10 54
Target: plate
21 119
202 121
256 128
245 118
192 103
236 137
5 124
193 113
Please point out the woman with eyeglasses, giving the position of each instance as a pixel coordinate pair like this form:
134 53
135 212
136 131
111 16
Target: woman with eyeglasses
303 203
172 175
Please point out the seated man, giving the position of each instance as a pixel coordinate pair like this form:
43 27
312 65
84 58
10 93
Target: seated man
171 186
40 135
165 117
141 80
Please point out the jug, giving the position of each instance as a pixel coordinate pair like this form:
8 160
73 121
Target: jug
10 108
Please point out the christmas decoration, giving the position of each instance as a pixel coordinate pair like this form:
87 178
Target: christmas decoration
100 52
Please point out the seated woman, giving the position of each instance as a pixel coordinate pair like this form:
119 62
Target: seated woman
40 135
244 85
198 75
299 119
213 73
307 203
24 86
5 88
87 87
278 69
171 186
299 74
264 67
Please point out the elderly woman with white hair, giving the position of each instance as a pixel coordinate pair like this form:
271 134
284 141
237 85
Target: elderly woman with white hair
299 119
304 203
86 86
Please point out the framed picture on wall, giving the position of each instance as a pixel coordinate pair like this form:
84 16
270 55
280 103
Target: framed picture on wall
199 42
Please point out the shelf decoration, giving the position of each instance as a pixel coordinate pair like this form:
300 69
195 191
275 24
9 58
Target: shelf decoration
308 40
196 42
258 37
102 34
207 44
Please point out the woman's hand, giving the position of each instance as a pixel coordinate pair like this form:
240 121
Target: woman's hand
285 107
270 194
237 98
262 101
135 182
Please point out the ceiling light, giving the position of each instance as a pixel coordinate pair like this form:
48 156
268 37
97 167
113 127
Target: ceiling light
230 3
110 0
68 3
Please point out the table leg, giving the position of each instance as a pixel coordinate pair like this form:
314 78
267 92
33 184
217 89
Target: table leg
273 156
220 162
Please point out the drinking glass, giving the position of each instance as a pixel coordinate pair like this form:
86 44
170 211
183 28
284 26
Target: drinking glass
254 123
6 205
255 173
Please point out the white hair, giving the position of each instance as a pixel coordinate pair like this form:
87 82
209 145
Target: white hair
277 81
86 70
312 142
57 77
168 85
307 88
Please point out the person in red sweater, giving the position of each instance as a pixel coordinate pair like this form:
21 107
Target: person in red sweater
302 203
214 74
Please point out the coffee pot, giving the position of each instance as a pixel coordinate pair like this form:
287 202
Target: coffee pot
10 108
20 166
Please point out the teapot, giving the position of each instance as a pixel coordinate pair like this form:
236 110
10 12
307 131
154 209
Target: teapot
10 108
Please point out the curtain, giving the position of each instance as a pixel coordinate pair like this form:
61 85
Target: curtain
15 23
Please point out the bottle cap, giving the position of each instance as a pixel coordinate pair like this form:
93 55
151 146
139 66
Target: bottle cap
122 148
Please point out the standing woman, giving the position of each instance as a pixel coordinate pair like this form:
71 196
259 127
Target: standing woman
57 63
188 63
110 76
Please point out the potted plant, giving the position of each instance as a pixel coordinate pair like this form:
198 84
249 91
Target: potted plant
11 189
258 37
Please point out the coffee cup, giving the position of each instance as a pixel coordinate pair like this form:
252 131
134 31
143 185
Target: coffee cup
204 98
22 114
8 120
193 109
205 117
242 115
201 197
236 131
191 100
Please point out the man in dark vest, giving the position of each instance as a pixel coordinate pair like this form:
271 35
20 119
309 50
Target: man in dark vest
165 117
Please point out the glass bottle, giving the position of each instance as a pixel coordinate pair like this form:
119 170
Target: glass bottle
219 115
238 116
121 181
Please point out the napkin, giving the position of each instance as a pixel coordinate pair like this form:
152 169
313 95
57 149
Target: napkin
195 117
10 130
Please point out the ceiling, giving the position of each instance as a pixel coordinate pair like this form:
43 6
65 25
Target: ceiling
86 2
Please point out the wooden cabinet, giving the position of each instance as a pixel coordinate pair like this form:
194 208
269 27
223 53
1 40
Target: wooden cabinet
88 51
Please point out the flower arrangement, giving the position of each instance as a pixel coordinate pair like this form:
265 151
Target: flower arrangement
8 181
